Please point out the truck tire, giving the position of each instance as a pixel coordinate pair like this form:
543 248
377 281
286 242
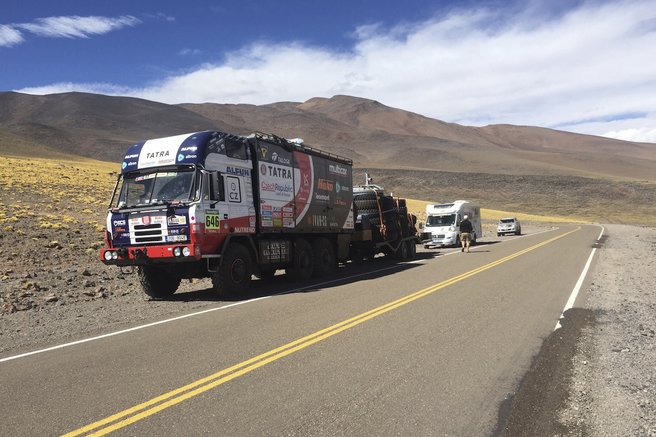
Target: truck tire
323 254
402 251
234 274
302 263
412 249
157 282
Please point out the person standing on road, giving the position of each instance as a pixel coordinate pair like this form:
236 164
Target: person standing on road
466 229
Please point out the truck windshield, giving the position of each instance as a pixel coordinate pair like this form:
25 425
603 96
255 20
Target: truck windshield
441 220
158 187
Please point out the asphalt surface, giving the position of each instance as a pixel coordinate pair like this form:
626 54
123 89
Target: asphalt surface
436 346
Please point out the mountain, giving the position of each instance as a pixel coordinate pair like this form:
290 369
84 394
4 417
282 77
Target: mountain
375 136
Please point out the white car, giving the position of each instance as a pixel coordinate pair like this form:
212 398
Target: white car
509 225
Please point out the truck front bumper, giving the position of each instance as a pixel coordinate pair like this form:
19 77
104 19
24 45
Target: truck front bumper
142 255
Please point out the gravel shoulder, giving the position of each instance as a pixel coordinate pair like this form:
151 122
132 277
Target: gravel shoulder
613 389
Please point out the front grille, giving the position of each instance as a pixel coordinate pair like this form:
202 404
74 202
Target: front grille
153 233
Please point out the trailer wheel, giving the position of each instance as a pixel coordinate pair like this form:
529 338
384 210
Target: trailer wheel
302 263
234 274
402 251
323 256
157 282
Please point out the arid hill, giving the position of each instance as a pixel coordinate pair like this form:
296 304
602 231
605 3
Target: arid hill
372 134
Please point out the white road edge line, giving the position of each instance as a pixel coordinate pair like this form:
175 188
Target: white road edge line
198 313
579 283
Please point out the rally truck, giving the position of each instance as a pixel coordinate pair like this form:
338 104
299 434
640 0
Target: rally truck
213 204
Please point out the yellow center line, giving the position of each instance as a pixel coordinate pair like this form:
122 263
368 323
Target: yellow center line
173 397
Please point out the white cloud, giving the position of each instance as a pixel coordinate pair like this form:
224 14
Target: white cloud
77 27
477 67
9 36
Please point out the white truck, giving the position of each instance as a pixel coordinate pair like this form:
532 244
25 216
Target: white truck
443 221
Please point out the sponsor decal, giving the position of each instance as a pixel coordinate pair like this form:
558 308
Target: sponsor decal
339 187
177 220
119 222
119 229
181 157
189 149
131 156
125 164
249 230
263 169
264 152
324 197
337 169
277 158
238 171
274 187
340 202
325 185
319 220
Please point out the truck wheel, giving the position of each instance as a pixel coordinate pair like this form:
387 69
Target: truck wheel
402 251
234 274
323 256
302 263
158 282
412 249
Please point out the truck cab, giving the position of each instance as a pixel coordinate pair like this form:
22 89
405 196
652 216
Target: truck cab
177 198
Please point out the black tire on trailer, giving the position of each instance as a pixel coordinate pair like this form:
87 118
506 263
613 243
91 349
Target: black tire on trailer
302 263
157 282
324 258
234 274
366 204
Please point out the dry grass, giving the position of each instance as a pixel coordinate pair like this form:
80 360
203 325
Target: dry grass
54 194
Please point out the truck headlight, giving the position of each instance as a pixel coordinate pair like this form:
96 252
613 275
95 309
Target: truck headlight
186 251
107 255
177 251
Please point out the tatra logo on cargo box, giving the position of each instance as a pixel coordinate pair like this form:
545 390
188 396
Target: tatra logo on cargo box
279 172
337 169
325 185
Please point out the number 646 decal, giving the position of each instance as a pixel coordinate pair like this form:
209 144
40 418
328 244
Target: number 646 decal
212 220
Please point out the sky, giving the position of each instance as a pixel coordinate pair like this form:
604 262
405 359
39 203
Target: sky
575 65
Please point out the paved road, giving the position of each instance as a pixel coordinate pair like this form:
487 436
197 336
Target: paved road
430 347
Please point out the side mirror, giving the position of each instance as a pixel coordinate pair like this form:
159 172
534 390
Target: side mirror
421 225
